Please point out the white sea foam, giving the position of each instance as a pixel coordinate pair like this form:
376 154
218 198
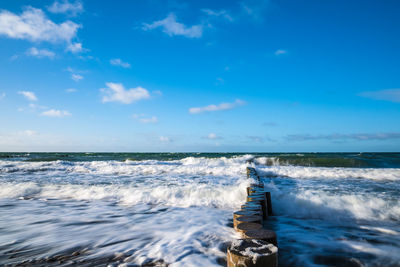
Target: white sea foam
336 207
226 197
214 182
330 173
189 166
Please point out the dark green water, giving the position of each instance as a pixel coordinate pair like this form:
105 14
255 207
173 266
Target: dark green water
357 160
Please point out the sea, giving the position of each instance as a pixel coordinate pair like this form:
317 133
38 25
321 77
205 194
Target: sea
175 209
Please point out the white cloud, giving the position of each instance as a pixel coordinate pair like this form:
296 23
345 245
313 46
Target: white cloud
119 62
28 133
71 90
164 139
222 13
76 77
149 120
35 106
143 119
33 25
117 93
66 7
392 95
55 113
40 53
2 96
213 136
28 95
280 52
74 47
222 106
171 27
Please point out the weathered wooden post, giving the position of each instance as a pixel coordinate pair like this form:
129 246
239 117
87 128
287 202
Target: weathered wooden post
261 234
243 219
245 227
269 202
252 253
258 246
241 213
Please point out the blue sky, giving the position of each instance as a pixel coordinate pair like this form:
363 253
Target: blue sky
229 76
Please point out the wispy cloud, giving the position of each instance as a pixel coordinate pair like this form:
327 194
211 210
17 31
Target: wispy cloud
28 95
55 113
165 139
143 119
66 7
254 8
40 53
222 106
212 136
75 48
280 52
76 77
392 95
32 107
257 139
220 14
33 25
28 132
339 137
71 90
260 139
116 92
2 96
220 81
170 26
119 62
149 120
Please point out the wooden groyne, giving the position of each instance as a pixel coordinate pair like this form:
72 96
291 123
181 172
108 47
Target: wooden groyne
258 245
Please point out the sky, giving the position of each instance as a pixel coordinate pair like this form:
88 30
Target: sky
199 76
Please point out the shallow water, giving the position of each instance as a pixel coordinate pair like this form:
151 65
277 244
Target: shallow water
176 209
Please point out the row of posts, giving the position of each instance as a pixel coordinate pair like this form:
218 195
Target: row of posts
257 245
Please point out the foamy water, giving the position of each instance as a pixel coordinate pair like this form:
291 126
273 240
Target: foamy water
335 216
172 212
178 211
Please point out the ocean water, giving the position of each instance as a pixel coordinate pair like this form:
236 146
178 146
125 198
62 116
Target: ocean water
175 209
